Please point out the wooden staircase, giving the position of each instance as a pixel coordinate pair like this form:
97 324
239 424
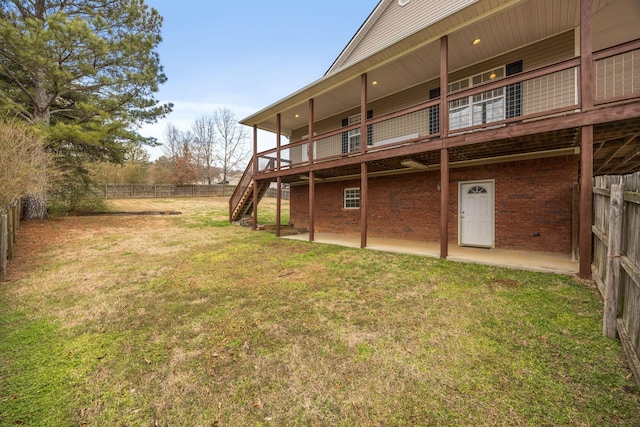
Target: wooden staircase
241 201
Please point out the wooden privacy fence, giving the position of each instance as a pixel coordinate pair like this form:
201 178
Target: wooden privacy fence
9 224
130 191
616 259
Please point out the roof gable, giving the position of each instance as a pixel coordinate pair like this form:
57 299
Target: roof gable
391 21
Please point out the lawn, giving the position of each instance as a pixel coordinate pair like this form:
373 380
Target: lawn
186 320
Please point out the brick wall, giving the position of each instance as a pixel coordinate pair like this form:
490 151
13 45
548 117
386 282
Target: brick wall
531 197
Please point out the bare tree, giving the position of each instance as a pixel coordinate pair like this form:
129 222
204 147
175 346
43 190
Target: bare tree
232 148
172 145
204 140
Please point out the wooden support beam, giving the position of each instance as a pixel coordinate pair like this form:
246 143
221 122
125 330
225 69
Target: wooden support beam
279 180
311 130
444 86
255 172
278 141
627 159
586 200
627 141
364 188
444 203
279 207
364 202
363 113
586 55
312 175
575 222
312 195
612 281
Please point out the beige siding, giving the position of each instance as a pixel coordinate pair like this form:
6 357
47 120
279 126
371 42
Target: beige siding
616 23
546 52
397 22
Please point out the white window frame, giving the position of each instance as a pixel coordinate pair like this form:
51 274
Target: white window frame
305 148
351 201
485 107
354 134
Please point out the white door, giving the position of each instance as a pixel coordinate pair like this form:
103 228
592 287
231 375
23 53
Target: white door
476 214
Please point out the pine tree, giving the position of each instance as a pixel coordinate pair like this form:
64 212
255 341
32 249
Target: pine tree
85 71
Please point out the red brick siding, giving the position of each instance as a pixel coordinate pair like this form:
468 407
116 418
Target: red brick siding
532 196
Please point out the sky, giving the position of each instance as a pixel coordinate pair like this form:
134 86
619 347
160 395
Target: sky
246 55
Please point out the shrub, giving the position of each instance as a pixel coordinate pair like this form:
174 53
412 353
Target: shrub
24 165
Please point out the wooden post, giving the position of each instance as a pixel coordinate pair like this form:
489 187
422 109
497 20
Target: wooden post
444 87
312 195
4 237
16 221
612 281
278 206
363 115
444 152
11 234
444 203
586 201
586 55
311 130
575 222
364 193
364 187
278 141
279 181
255 173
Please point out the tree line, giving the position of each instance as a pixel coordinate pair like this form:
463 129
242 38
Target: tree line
212 151
78 79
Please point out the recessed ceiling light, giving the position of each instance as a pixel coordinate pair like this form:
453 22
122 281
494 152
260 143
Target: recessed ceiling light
374 82
476 42
297 116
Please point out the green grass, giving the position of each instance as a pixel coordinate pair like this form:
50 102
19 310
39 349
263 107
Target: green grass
184 321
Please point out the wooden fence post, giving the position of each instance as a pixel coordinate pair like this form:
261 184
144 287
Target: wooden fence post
11 236
612 281
4 238
16 215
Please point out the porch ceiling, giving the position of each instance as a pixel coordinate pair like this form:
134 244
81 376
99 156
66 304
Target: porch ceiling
416 59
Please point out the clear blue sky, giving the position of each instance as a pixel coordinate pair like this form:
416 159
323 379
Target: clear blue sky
245 55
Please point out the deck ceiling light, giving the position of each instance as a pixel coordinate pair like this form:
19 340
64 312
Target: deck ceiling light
476 42
375 82
297 116
414 164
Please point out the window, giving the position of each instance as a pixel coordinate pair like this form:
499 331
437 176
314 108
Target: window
352 198
351 139
485 107
354 135
434 112
477 189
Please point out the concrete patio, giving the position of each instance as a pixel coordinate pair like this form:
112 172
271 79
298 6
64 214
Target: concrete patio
523 260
